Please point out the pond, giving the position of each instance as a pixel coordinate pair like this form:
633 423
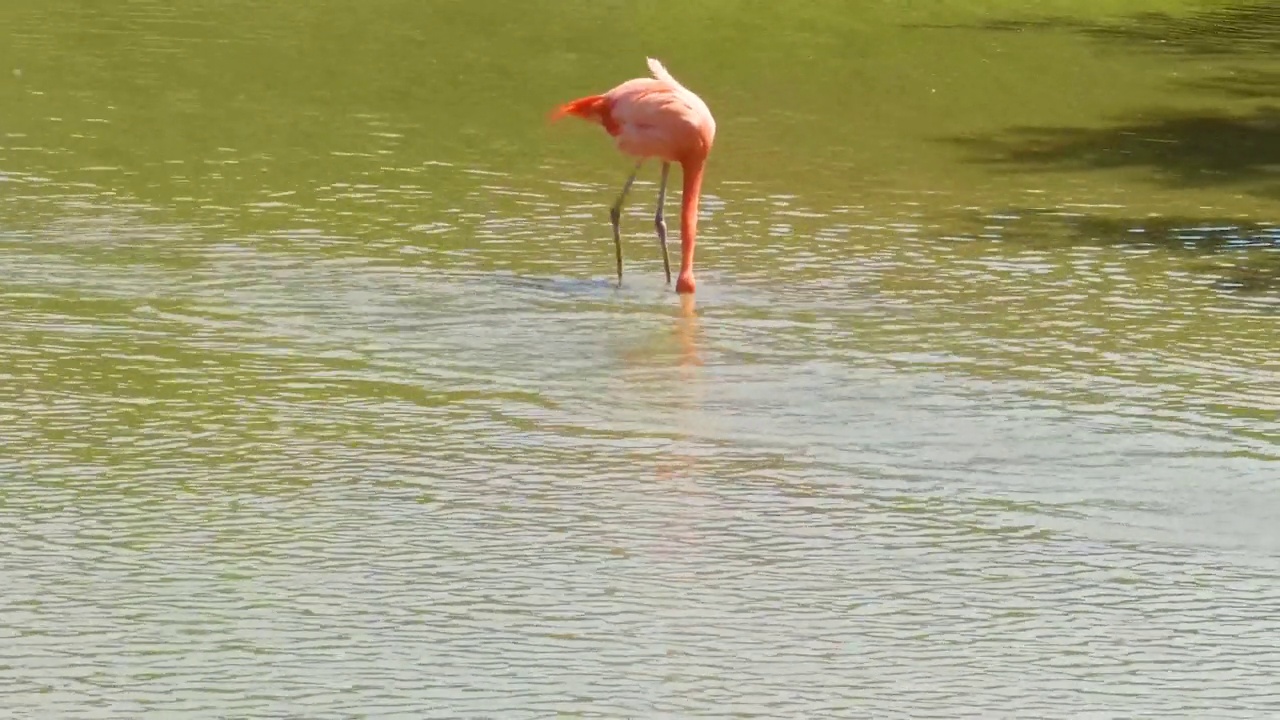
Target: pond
320 399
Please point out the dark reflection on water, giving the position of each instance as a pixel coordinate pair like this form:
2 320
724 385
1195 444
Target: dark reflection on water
1186 148
1234 254
1236 29
1201 147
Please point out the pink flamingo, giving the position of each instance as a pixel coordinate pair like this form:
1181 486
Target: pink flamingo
656 117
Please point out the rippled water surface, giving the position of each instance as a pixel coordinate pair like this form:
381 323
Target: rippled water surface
318 399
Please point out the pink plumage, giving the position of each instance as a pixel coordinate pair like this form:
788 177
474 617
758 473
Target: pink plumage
659 118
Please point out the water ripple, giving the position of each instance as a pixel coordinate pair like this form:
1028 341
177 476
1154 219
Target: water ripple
348 429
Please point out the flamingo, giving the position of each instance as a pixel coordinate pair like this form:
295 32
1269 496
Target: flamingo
656 118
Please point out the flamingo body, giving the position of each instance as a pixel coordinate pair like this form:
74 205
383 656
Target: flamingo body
657 117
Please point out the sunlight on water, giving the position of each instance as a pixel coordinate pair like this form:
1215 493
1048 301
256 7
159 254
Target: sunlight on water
320 402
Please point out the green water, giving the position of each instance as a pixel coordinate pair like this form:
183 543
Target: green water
317 398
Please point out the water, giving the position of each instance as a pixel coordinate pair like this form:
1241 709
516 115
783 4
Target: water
319 400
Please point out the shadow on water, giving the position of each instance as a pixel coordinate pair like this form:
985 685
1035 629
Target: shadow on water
559 286
637 287
1240 255
1245 83
1212 146
1185 149
1251 28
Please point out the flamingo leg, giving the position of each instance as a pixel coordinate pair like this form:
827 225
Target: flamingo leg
659 223
615 216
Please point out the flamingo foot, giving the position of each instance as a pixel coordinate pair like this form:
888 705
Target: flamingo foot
685 284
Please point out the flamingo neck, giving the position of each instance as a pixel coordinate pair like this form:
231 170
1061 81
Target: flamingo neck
692 171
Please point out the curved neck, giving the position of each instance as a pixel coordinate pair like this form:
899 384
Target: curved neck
692 171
